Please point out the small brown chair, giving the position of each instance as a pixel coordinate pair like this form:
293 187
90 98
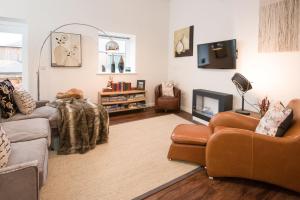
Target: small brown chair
163 103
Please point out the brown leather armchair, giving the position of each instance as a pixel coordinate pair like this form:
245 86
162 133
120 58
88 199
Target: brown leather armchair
167 103
235 150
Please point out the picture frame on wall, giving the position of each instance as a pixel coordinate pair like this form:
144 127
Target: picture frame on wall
140 84
66 50
184 42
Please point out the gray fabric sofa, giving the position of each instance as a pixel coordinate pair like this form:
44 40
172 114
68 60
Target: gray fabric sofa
41 111
27 168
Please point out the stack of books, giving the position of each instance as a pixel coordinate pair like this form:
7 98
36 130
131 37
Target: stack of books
121 86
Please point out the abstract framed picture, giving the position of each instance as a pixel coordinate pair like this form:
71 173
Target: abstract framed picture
183 42
65 50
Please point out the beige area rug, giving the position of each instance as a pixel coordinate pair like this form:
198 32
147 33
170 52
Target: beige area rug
133 162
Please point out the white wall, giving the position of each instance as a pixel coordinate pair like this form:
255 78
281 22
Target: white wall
148 20
212 22
274 74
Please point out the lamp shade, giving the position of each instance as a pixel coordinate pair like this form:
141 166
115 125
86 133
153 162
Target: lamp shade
241 82
112 46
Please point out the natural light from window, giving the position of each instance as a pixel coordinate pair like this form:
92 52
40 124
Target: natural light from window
121 61
11 57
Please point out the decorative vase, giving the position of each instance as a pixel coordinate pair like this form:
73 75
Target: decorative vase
262 113
103 68
60 55
71 62
121 65
179 47
113 65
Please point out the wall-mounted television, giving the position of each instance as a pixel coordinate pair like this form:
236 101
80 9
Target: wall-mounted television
217 55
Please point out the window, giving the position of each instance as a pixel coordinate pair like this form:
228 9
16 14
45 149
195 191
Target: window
111 62
11 51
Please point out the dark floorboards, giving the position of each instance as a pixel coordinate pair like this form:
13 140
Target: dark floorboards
198 186
148 113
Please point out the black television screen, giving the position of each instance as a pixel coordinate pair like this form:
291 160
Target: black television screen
217 55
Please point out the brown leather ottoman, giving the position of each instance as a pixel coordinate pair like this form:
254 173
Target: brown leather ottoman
189 143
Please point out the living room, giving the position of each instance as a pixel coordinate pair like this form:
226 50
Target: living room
126 60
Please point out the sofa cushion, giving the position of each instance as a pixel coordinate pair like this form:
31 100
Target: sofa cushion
167 89
24 101
41 112
4 148
22 152
276 121
7 103
25 130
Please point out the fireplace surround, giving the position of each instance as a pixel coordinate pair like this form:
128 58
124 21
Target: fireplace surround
208 103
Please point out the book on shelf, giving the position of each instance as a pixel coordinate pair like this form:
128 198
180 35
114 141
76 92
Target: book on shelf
135 97
121 86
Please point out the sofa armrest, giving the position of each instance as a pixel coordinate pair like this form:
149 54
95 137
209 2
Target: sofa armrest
41 103
234 120
20 181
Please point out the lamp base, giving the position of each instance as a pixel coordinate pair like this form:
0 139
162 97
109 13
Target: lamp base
243 112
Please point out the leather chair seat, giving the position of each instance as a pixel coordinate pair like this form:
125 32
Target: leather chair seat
189 143
163 103
191 134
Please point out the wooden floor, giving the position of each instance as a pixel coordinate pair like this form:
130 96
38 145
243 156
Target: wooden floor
148 113
198 186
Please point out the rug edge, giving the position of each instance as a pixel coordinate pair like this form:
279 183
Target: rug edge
168 184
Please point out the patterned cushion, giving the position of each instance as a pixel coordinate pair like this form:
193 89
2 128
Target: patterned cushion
4 148
167 89
24 101
276 121
7 103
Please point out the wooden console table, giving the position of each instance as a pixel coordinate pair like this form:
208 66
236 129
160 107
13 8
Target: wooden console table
121 101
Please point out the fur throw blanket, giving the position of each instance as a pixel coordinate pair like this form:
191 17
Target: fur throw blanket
81 125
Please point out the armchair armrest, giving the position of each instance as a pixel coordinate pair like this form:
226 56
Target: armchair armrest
234 120
19 180
229 153
242 153
41 103
157 93
177 92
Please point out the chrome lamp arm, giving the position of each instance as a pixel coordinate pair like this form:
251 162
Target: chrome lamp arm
56 29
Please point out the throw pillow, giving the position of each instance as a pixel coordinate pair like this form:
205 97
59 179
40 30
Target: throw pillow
167 89
4 148
276 121
24 101
7 103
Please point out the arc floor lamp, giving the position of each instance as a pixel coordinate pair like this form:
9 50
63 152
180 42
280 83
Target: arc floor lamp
110 46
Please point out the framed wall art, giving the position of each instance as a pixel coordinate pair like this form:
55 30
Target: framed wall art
183 42
140 84
65 50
